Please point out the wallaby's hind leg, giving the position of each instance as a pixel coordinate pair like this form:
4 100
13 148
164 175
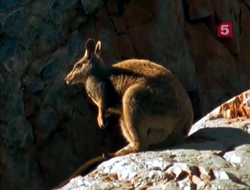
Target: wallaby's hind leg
127 136
130 122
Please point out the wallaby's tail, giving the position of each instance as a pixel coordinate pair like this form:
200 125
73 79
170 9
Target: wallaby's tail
84 167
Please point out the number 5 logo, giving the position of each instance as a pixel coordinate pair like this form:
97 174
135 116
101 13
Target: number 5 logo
225 29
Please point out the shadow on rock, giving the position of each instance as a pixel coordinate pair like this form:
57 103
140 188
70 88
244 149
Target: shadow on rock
215 139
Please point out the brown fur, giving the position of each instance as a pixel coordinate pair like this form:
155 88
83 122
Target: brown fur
155 109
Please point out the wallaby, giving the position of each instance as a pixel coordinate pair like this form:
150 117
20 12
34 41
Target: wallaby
155 110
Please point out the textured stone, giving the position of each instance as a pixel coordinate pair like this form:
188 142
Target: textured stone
126 50
119 25
78 20
199 9
131 17
91 6
112 7
30 108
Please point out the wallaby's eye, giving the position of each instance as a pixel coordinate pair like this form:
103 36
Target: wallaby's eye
79 66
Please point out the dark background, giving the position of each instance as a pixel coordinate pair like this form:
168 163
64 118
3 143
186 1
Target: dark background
48 128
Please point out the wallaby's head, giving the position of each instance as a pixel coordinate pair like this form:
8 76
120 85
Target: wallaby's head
89 65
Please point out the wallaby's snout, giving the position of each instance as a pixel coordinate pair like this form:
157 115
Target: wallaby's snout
67 82
67 79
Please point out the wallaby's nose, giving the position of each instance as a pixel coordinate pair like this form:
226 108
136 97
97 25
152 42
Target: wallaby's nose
66 80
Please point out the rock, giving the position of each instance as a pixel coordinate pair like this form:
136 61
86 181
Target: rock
199 9
182 166
130 15
17 138
33 84
126 49
91 6
14 64
112 8
47 126
30 108
233 110
78 21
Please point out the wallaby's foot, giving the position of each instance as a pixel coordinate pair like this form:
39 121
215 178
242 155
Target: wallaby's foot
124 151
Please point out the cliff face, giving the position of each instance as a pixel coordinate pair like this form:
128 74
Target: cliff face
47 128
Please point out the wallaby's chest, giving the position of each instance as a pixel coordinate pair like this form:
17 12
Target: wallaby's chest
112 102
94 99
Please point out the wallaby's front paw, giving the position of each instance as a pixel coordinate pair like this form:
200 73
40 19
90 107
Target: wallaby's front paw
102 122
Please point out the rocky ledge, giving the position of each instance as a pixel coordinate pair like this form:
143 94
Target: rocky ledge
216 155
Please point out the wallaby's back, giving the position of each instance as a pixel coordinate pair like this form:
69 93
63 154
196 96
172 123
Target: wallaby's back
164 106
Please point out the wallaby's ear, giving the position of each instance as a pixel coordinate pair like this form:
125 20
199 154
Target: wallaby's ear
98 48
90 48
